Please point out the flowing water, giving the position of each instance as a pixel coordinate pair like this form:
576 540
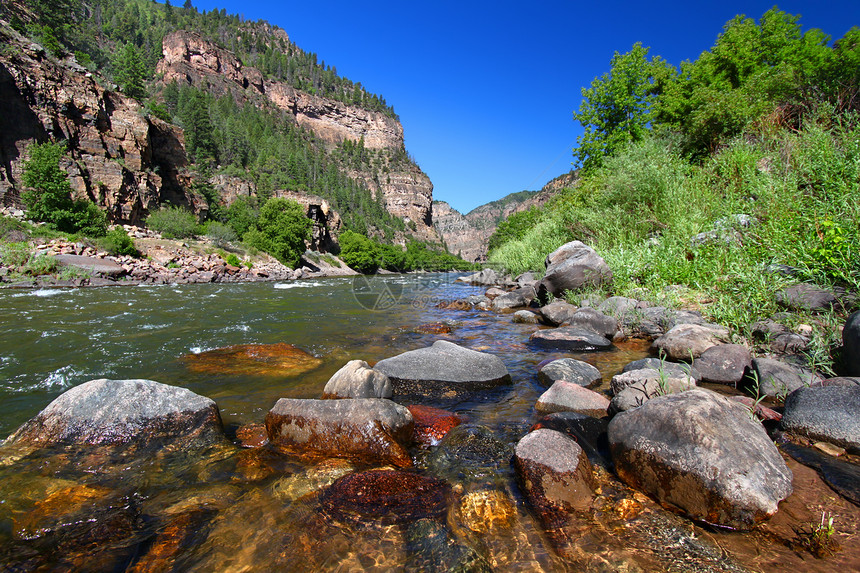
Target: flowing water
238 509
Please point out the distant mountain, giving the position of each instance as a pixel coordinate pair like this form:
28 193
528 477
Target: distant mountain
467 235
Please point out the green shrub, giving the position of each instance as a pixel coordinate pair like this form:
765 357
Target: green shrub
220 234
173 222
40 265
233 260
118 243
49 195
281 230
15 255
359 252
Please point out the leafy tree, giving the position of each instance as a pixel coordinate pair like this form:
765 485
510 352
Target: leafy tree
130 71
241 215
616 109
359 252
173 222
48 196
281 230
514 228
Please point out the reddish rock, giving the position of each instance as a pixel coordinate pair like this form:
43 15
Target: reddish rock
252 436
178 536
432 424
390 496
763 412
274 360
434 328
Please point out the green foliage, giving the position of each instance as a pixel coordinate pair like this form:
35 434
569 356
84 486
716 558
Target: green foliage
514 227
220 234
48 197
39 265
241 215
50 41
233 260
616 109
118 243
173 222
281 230
359 252
367 256
129 71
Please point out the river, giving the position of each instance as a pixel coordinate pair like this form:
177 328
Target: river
234 509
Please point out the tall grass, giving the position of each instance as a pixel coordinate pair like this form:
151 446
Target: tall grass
642 208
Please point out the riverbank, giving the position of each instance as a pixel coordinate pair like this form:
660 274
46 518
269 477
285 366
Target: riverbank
31 259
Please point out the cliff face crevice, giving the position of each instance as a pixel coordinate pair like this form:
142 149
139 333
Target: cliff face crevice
407 192
124 161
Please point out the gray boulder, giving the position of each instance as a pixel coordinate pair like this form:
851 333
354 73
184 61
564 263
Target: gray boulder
676 369
558 312
595 320
723 364
565 396
828 413
525 317
443 370
569 370
676 378
685 341
514 299
573 266
97 266
805 296
570 338
370 430
486 277
851 345
119 412
634 388
779 379
358 380
676 449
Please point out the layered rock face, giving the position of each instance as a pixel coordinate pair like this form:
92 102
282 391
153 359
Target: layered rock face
406 190
127 163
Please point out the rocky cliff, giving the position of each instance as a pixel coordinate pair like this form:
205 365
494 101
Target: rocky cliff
469 234
123 160
407 191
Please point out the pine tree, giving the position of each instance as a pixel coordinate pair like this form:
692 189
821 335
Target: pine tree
130 72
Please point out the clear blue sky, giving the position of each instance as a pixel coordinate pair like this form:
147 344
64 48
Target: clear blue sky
486 90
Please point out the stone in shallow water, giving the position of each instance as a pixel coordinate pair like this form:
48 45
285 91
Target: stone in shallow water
678 449
486 510
432 424
569 370
825 413
268 360
115 412
358 380
391 496
373 430
444 370
565 396
570 338
470 453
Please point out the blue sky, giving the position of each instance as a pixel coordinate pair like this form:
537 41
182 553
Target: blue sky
486 90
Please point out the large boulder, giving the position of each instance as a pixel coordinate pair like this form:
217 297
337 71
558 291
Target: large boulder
633 388
514 299
805 296
573 266
558 312
443 370
723 364
555 474
570 338
828 413
702 453
569 370
371 430
570 397
595 320
97 266
672 368
120 412
358 380
686 341
851 345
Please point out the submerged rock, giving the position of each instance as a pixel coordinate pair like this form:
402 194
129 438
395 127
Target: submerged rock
570 338
368 429
391 496
432 424
676 449
358 380
271 360
470 453
827 413
444 370
115 412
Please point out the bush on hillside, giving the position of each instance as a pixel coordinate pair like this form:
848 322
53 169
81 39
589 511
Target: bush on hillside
118 243
281 230
220 234
48 196
173 222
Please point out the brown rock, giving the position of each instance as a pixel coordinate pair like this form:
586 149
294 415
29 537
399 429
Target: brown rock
432 424
267 360
252 436
389 496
